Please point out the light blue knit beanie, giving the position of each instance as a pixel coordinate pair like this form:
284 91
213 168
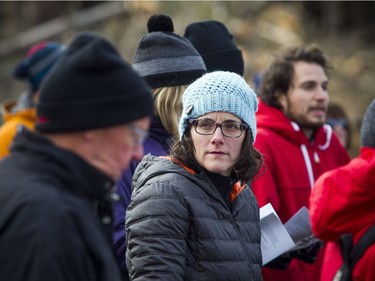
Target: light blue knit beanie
219 91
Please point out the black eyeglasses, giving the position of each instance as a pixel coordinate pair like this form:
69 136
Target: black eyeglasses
229 129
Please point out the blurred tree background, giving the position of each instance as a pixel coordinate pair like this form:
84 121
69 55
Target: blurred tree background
345 29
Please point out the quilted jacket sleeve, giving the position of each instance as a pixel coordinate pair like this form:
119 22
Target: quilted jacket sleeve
156 226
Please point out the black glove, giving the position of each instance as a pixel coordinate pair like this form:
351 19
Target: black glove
307 249
281 262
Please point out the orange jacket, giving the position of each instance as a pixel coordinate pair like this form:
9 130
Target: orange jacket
12 120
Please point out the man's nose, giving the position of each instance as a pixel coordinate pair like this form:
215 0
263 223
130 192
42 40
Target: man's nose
321 93
138 152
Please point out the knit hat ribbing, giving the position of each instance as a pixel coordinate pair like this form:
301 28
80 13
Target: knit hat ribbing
91 87
164 58
219 91
216 46
38 61
368 126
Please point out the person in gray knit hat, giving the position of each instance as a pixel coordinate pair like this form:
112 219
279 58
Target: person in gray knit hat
342 202
163 58
56 186
192 215
169 63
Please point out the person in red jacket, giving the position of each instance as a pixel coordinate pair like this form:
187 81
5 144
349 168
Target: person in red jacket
342 202
296 144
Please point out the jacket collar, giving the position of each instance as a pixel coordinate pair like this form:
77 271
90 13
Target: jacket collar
75 174
237 187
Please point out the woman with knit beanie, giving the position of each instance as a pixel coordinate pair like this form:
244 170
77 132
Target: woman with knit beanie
192 215
168 63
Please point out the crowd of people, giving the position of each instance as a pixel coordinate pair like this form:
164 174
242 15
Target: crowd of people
157 170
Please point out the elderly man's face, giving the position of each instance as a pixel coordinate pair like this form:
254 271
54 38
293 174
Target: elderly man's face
117 146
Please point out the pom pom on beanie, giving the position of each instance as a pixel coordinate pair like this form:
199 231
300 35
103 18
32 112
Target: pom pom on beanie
163 58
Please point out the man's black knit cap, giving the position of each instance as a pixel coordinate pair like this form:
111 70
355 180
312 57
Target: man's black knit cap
91 87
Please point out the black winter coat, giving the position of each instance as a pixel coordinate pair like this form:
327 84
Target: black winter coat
55 216
180 228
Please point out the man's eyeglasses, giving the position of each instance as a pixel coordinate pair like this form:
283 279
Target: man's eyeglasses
229 129
141 134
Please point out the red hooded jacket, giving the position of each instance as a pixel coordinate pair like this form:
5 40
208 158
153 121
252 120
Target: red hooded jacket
343 201
292 164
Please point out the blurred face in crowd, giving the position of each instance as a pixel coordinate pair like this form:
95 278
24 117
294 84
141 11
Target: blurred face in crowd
339 126
307 98
342 135
117 146
214 151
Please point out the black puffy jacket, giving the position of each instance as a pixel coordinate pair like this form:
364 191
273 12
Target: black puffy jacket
180 228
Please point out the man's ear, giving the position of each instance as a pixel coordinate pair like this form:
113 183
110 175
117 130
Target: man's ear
281 97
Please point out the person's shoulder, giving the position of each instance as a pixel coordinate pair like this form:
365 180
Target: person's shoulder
160 171
42 206
47 195
266 139
10 126
264 133
41 193
157 165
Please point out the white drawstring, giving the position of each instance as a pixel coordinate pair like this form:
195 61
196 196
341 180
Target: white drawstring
306 157
308 164
328 130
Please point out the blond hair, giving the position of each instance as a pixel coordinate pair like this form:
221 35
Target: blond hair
168 107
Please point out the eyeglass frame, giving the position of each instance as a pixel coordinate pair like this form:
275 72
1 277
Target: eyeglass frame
141 135
243 127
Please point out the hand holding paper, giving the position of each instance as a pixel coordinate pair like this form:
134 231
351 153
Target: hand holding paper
292 240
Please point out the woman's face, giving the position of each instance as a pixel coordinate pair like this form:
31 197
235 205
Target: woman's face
217 153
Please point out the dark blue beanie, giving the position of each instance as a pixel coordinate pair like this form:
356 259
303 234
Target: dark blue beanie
91 87
38 61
